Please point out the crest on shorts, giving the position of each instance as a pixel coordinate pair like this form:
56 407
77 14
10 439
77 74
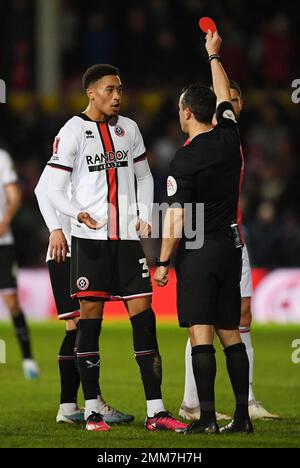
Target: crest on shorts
171 186
82 283
119 131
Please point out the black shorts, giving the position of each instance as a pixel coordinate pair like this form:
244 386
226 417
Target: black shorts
67 308
110 270
8 269
208 285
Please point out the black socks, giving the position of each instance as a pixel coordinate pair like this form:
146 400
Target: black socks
88 357
22 334
69 375
238 370
204 368
146 353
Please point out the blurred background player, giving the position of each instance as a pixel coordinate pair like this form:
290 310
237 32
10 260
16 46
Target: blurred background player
58 261
10 201
190 408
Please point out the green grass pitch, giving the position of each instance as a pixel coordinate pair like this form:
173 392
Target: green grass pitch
28 408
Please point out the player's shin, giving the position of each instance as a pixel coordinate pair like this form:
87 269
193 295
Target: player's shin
69 376
89 362
190 398
148 359
22 334
246 339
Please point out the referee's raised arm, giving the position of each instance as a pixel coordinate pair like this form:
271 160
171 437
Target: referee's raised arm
220 80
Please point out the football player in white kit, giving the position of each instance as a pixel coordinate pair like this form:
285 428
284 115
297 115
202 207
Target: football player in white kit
10 201
58 262
190 408
101 153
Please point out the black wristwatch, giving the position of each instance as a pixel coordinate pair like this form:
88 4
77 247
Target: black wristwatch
163 264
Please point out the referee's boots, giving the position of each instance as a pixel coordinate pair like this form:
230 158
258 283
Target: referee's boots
238 426
198 427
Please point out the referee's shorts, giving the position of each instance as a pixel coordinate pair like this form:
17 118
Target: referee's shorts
208 284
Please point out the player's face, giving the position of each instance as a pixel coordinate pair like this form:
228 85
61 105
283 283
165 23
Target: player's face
106 95
236 101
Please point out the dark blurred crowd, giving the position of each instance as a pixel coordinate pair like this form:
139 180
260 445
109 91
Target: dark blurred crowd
159 48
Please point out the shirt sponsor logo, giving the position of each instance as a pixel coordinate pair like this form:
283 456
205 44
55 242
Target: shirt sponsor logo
171 186
107 160
119 131
82 283
55 145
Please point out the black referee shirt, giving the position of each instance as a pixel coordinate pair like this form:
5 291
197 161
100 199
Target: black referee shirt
208 170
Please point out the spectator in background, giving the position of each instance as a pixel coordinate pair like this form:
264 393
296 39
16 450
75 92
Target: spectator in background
269 160
98 40
265 237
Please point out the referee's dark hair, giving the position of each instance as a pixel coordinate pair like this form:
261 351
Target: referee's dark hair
200 100
234 85
96 72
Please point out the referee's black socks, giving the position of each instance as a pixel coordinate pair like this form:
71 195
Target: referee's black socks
88 357
146 352
204 368
69 375
22 334
238 370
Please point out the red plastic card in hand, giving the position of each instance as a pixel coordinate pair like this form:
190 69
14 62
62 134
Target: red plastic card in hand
206 23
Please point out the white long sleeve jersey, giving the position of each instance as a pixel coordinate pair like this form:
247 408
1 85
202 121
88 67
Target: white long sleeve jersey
101 158
7 176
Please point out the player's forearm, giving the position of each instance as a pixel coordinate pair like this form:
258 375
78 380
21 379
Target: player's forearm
172 232
14 200
220 81
57 194
47 211
145 193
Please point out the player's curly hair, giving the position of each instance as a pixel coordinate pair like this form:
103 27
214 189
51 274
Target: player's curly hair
96 72
201 101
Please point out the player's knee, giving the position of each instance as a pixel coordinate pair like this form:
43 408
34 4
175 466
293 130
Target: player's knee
90 308
71 324
138 305
246 315
228 337
12 303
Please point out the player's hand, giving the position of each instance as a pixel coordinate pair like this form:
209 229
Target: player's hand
58 246
213 42
143 228
90 222
161 276
4 227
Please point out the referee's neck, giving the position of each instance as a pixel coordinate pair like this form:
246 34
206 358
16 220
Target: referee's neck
198 128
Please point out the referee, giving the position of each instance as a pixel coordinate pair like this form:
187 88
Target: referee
208 171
